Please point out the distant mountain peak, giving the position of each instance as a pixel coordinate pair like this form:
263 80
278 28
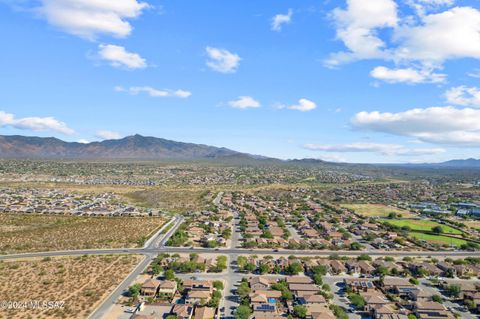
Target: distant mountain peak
136 147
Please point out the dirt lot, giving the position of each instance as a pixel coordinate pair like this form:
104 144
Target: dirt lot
76 284
171 199
28 233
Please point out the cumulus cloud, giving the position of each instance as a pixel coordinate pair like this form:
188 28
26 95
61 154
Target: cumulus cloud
90 18
222 60
244 102
118 56
357 27
108 135
424 6
280 19
441 125
384 149
134 90
451 34
303 105
34 123
463 95
422 42
407 75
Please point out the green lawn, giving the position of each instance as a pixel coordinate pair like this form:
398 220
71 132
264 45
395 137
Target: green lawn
422 225
377 210
441 240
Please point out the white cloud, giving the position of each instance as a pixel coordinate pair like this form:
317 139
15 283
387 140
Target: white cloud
463 95
357 27
35 123
118 56
222 60
6 118
424 6
303 105
134 90
83 141
442 125
474 73
451 34
108 135
280 19
420 43
90 18
244 102
182 93
384 149
407 75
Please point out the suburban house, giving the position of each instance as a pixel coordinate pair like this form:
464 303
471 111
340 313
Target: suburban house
183 311
150 288
259 283
204 313
168 287
431 310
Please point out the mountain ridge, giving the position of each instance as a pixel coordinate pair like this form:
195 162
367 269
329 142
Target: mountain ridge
138 147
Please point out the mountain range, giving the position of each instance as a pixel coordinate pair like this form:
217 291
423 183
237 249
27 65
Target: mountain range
131 147
138 147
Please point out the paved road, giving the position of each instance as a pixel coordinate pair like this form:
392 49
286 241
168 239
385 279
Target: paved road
154 239
217 199
293 232
158 240
241 251
236 235
339 296
105 306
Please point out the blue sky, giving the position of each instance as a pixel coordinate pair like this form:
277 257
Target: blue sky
356 81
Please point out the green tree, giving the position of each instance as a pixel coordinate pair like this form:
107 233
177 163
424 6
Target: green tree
169 274
437 298
264 268
218 284
243 290
243 312
338 312
287 294
355 246
454 290
250 267
437 229
134 290
364 257
321 270
317 278
300 311
357 300
242 262
222 262
156 269
294 268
